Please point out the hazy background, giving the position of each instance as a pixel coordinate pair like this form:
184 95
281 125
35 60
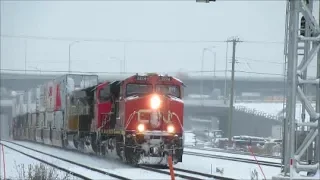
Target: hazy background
153 32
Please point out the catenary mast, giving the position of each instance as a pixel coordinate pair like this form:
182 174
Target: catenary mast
302 33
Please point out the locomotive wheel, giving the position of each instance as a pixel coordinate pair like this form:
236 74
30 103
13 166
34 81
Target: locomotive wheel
102 149
119 146
132 155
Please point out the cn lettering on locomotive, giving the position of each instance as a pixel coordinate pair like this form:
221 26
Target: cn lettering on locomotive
139 118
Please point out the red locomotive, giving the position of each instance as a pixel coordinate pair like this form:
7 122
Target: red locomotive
139 118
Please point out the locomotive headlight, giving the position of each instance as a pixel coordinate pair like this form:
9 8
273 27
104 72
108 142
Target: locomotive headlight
170 128
155 102
140 127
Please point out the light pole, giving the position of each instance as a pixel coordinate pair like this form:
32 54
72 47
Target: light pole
225 76
124 57
202 64
72 43
25 56
36 68
121 61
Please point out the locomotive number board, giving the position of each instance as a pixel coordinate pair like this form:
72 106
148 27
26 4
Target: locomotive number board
141 78
165 78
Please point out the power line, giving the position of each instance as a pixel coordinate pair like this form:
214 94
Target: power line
125 40
252 72
257 60
104 72
65 62
79 61
91 72
264 61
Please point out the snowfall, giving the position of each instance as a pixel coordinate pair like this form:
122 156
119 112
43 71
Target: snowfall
11 161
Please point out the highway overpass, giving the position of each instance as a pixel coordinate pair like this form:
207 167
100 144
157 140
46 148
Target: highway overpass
265 86
246 122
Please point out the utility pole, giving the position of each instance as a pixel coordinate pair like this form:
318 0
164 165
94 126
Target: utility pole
25 56
124 58
234 44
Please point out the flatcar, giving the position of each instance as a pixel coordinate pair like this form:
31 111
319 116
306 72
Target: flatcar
139 118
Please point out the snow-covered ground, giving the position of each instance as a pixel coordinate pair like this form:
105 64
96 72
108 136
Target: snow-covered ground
109 165
13 164
231 169
189 138
273 160
190 141
195 163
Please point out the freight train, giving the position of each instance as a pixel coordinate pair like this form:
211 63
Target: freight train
139 119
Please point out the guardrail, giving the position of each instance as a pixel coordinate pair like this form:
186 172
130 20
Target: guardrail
258 113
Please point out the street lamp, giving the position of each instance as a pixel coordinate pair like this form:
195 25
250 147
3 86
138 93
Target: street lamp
121 61
36 68
25 56
72 43
202 64
225 75
214 60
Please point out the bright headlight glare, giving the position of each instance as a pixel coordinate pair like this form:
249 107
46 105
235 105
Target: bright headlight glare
155 102
140 127
170 128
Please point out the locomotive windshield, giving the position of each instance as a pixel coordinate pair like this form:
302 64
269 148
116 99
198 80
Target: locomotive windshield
138 89
171 90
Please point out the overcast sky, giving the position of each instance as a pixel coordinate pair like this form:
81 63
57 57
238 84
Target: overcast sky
261 21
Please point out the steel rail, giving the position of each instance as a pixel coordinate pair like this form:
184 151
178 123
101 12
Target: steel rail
66 160
265 163
50 164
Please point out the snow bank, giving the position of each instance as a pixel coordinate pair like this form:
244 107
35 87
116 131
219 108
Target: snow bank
16 162
189 139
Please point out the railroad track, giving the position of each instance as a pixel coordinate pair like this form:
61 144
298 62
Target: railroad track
231 152
78 175
75 164
250 161
187 174
182 173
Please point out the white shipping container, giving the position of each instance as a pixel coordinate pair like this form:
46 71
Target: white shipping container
37 98
50 96
31 103
42 101
70 85
49 117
